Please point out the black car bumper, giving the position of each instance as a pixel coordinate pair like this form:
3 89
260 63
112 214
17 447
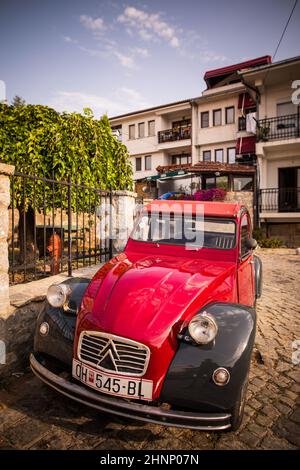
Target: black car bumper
129 409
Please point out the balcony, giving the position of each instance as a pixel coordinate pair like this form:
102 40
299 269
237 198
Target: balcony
278 128
279 200
172 135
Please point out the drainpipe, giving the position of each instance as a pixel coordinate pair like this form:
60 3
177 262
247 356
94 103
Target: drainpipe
192 104
256 187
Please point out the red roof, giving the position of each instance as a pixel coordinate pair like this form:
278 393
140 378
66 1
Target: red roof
210 167
223 71
214 209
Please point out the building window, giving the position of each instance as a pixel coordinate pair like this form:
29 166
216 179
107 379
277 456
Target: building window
242 183
229 115
205 119
207 156
243 119
138 164
211 182
132 131
141 127
231 155
219 155
284 109
148 162
181 159
117 132
217 117
242 123
245 232
151 128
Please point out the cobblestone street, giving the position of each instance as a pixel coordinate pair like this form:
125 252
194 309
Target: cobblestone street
34 417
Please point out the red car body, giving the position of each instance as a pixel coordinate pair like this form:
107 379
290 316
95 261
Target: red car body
151 291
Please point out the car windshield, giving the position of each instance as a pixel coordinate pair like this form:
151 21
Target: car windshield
185 230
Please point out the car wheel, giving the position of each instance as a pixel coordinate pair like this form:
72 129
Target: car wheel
237 411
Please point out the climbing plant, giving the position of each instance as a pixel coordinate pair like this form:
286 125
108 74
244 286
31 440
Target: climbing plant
41 141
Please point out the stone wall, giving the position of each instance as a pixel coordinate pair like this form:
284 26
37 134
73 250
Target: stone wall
5 172
242 197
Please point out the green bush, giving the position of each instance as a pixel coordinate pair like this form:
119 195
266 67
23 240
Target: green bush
263 241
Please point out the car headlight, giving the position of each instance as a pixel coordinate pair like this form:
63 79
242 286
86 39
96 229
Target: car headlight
58 294
203 328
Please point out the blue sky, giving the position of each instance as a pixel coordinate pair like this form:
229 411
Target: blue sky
116 56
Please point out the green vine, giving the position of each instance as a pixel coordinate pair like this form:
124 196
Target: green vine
40 141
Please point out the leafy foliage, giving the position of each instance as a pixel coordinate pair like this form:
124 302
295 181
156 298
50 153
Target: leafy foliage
18 101
266 242
40 141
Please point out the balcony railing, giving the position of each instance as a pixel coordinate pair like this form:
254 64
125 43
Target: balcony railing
279 200
171 135
281 127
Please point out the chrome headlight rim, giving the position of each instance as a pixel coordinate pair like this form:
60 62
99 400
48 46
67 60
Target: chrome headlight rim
58 295
210 321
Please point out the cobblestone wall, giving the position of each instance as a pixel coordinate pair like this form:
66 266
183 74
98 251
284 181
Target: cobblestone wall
5 172
242 197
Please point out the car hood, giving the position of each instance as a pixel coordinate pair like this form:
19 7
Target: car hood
147 298
150 298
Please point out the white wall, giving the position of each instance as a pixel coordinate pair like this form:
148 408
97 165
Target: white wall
272 167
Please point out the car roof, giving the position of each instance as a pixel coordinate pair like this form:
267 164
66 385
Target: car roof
214 209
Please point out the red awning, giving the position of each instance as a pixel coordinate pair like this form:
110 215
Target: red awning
211 75
246 145
246 101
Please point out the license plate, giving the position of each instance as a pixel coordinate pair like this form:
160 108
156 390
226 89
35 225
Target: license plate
117 385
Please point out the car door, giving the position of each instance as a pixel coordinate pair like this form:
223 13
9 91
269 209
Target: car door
245 275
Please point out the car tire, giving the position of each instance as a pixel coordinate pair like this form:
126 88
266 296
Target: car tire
237 411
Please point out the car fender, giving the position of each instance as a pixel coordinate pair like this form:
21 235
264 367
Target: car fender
189 382
59 340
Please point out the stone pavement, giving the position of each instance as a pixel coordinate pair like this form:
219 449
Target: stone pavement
35 417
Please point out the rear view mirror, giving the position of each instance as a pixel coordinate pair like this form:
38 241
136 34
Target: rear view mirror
251 243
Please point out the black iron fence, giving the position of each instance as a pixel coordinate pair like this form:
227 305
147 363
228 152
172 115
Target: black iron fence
279 200
56 226
171 135
280 127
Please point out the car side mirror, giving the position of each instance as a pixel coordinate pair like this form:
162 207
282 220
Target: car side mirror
251 243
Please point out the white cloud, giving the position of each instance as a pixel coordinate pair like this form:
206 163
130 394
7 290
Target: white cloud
70 40
94 24
125 60
149 25
207 56
145 35
140 51
121 101
92 52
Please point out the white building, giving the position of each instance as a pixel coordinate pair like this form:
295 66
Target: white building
278 146
212 140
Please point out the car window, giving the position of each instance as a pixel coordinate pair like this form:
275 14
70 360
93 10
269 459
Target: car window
185 230
245 233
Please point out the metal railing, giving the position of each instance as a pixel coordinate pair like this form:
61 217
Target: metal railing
279 200
281 127
171 135
56 226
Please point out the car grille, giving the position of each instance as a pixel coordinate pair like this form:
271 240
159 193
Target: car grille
113 353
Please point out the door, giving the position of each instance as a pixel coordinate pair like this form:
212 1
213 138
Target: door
287 194
287 122
245 266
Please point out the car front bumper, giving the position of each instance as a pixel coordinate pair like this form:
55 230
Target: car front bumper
129 409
